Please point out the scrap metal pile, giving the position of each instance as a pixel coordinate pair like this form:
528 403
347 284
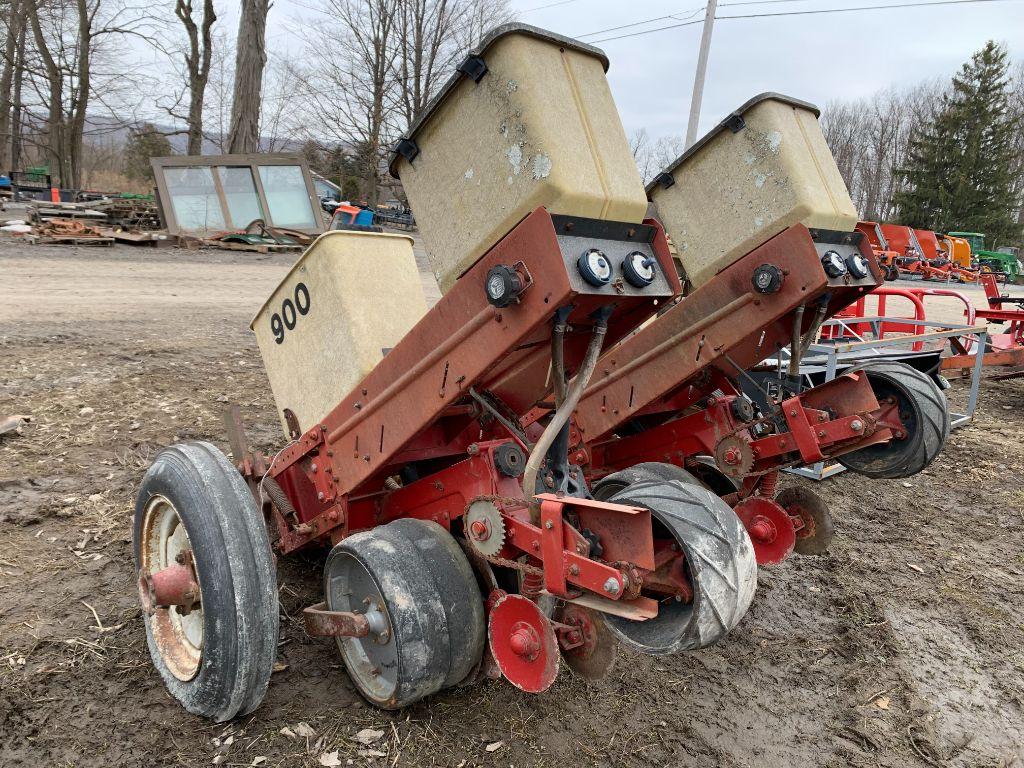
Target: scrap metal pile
557 458
97 222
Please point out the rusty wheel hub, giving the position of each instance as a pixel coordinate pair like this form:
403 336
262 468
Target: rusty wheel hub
169 589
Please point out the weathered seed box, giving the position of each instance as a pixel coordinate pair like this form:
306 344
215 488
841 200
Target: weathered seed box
763 169
527 121
350 297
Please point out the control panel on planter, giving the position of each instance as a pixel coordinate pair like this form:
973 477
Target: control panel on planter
609 259
842 257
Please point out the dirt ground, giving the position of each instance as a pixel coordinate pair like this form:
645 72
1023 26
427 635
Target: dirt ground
900 647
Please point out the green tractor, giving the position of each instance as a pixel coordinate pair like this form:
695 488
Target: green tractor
1004 260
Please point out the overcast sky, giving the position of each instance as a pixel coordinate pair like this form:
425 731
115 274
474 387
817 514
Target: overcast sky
813 57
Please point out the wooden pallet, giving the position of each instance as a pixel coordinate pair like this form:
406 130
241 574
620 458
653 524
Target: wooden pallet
150 239
258 247
69 240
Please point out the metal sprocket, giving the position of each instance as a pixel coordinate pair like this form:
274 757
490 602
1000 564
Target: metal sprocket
485 528
734 456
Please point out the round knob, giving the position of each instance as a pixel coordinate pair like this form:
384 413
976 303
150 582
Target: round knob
503 285
833 264
767 278
857 265
595 267
638 269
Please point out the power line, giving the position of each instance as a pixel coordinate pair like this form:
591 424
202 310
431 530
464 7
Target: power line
548 5
863 8
693 12
797 13
647 31
764 2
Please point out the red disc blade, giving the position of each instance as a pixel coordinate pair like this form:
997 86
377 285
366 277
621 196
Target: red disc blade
523 643
771 531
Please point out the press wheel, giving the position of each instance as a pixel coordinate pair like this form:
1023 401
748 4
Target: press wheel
923 415
418 591
720 564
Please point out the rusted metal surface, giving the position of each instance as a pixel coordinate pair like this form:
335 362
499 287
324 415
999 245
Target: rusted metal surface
321 622
251 464
175 585
587 645
463 342
725 316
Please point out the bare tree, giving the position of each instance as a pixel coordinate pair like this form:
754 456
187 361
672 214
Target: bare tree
219 87
250 59
195 54
10 82
71 39
426 30
389 59
869 139
652 157
479 17
17 109
353 93
433 35
279 117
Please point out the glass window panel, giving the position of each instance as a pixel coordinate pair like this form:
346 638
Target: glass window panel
287 197
240 192
194 199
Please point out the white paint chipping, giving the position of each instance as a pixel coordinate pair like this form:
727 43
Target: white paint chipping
541 166
515 158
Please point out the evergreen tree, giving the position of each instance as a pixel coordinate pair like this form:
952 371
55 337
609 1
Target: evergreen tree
959 168
144 142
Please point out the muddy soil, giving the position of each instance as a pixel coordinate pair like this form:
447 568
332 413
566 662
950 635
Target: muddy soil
900 647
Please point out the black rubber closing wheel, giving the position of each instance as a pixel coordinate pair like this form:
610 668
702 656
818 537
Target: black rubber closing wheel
720 559
923 413
648 471
425 610
216 659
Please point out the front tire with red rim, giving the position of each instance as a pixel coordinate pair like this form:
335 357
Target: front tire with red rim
216 656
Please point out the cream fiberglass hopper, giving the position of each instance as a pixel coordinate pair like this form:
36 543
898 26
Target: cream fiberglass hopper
350 297
763 169
527 121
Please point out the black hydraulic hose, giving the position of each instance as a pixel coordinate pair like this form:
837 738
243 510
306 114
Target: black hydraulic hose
562 413
558 354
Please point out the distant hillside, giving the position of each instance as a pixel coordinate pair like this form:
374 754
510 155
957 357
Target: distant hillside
110 131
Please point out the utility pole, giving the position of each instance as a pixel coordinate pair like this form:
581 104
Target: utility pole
698 79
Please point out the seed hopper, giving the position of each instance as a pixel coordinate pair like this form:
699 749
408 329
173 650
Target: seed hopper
556 458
